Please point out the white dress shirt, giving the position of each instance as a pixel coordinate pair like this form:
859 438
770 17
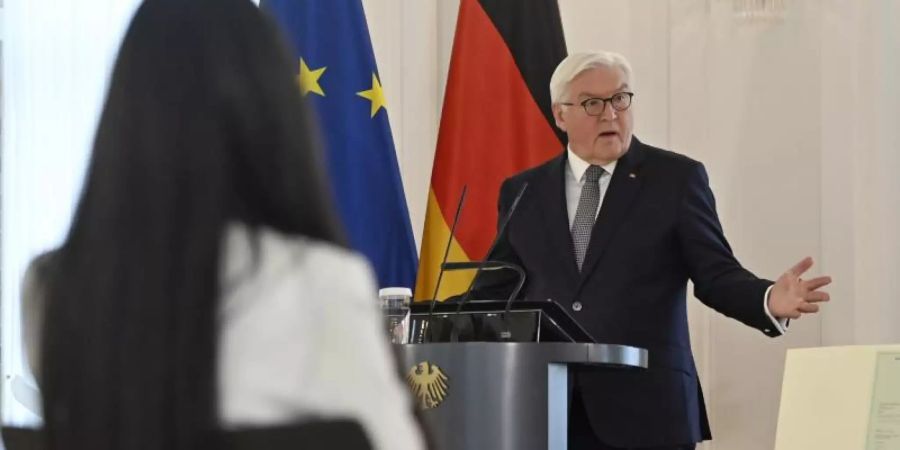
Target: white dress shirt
575 181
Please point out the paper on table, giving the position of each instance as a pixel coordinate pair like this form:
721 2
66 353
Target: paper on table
884 419
826 397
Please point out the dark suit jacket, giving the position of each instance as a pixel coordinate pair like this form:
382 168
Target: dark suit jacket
657 228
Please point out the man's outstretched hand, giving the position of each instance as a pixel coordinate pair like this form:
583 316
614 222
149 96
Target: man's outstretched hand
792 296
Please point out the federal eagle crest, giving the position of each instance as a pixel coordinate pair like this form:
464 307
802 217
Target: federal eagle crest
429 384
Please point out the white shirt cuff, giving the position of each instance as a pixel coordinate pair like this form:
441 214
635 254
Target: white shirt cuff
780 324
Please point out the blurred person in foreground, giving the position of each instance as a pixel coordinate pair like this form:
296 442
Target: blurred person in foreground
204 284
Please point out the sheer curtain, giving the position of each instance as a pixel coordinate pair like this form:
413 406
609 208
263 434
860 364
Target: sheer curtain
795 116
860 165
58 55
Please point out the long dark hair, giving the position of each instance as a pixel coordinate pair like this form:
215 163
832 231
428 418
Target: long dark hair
203 125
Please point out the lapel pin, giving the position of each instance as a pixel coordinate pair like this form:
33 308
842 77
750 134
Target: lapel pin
632 175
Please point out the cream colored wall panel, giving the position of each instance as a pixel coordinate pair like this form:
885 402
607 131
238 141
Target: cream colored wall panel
744 100
639 29
405 41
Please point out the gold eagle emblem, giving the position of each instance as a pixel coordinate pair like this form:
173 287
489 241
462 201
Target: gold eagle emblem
429 384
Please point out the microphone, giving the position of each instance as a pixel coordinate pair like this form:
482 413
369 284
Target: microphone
426 325
495 265
488 265
454 333
492 265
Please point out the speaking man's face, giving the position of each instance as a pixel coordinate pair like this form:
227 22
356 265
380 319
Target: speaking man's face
602 138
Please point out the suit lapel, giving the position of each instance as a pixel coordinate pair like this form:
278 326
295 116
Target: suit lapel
620 195
552 189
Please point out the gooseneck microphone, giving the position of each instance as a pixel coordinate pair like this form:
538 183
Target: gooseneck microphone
426 333
495 265
454 334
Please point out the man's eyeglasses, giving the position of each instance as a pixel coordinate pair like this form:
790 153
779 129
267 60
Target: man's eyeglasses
620 101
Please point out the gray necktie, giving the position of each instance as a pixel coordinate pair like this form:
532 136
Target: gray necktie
586 212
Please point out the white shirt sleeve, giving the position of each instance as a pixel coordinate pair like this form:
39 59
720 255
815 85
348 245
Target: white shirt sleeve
780 324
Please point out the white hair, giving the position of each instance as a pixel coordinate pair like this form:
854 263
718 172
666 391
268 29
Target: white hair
576 63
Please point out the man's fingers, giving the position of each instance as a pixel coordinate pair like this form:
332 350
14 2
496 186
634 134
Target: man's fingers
816 283
801 267
808 307
817 296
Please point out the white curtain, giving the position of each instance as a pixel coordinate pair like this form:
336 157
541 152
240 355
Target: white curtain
861 169
796 120
57 59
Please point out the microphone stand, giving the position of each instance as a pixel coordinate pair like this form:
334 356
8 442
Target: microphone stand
490 265
454 333
426 333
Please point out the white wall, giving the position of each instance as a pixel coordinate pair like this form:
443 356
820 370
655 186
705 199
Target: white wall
794 118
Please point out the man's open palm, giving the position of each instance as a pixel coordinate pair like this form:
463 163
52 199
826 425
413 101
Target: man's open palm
792 296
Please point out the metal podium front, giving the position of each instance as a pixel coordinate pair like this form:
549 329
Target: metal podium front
503 395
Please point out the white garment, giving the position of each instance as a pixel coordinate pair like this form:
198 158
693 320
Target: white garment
575 182
301 338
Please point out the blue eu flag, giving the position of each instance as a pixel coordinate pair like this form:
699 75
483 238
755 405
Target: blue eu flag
338 76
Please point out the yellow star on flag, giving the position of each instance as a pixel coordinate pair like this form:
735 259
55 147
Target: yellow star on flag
375 95
309 79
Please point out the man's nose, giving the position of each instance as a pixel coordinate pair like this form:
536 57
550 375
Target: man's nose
609 113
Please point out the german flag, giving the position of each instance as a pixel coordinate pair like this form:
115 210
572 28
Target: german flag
496 122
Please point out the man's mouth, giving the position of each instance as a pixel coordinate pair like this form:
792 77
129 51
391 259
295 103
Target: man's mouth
608 134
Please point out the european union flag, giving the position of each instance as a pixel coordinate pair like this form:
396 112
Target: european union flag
338 75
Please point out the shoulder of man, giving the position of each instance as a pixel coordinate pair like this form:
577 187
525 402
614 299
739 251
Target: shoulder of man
664 156
669 161
537 171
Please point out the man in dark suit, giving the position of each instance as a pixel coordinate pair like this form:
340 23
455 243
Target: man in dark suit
613 229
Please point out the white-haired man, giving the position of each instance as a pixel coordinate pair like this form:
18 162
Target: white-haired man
613 229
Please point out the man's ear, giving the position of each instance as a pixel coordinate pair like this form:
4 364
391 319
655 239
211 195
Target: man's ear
558 116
